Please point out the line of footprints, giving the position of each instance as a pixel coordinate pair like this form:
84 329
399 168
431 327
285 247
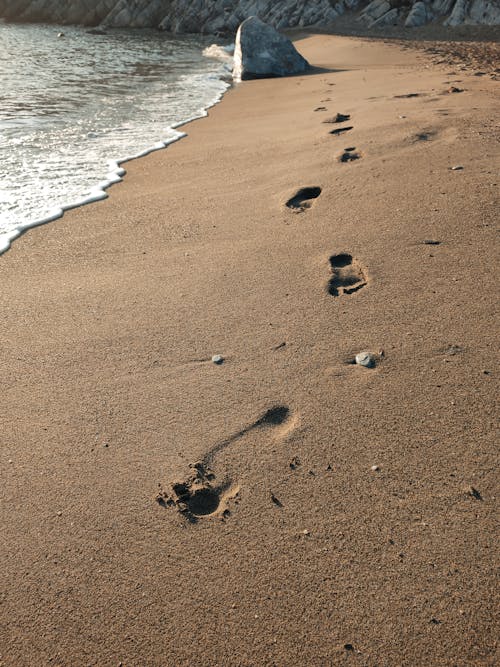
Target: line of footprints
201 495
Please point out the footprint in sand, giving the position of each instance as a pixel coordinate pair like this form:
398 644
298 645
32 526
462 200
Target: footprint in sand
200 495
340 130
303 198
349 155
425 135
347 275
338 118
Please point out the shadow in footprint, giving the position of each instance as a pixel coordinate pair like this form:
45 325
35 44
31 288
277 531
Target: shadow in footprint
408 96
197 498
341 130
303 198
347 275
338 118
426 135
349 155
274 417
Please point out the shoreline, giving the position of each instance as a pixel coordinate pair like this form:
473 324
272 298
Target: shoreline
115 175
99 191
351 513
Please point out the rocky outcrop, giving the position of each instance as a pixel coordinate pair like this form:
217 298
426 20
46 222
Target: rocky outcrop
414 13
261 51
417 15
224 16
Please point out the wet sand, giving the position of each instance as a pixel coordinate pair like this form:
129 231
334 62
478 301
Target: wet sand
348 515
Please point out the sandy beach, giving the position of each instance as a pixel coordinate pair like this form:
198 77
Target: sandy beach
348 513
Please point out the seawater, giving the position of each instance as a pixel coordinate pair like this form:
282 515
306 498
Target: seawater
75 106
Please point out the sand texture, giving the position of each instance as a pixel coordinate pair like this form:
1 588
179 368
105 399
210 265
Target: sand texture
285 507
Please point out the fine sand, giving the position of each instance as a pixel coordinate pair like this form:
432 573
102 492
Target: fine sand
344 515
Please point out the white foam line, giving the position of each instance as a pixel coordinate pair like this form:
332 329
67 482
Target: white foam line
115 175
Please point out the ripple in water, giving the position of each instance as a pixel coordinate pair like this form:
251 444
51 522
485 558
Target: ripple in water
70 105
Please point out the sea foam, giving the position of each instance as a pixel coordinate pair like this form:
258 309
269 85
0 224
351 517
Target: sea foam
38 108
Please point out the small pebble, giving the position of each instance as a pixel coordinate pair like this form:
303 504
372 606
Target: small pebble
375 468
59 513
305 532
365 359
217 359
458 167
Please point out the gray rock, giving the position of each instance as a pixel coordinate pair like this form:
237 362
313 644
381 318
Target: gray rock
261 51
217 359
418 15
389 18
458 13
375 10
365 359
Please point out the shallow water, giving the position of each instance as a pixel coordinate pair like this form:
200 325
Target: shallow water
69 105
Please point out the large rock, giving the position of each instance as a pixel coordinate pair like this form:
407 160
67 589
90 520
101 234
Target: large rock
417 16
261 51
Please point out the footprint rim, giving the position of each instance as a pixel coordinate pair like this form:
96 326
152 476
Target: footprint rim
302 199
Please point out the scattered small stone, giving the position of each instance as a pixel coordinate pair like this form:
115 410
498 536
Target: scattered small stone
435 621
365 359
305 532
454 89
60 34
329 468
375 468
474 493
278 347
217 359
294 463
457 167
320 109
59 513
349 647
431 242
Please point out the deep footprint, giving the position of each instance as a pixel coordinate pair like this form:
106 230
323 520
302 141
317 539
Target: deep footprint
303 198
341 130
349 156
338 118
200 496
347 275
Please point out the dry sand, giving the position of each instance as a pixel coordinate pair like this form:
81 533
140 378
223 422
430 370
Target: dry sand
360 522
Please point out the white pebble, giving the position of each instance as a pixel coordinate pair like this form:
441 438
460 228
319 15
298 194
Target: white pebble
365 359
217 359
